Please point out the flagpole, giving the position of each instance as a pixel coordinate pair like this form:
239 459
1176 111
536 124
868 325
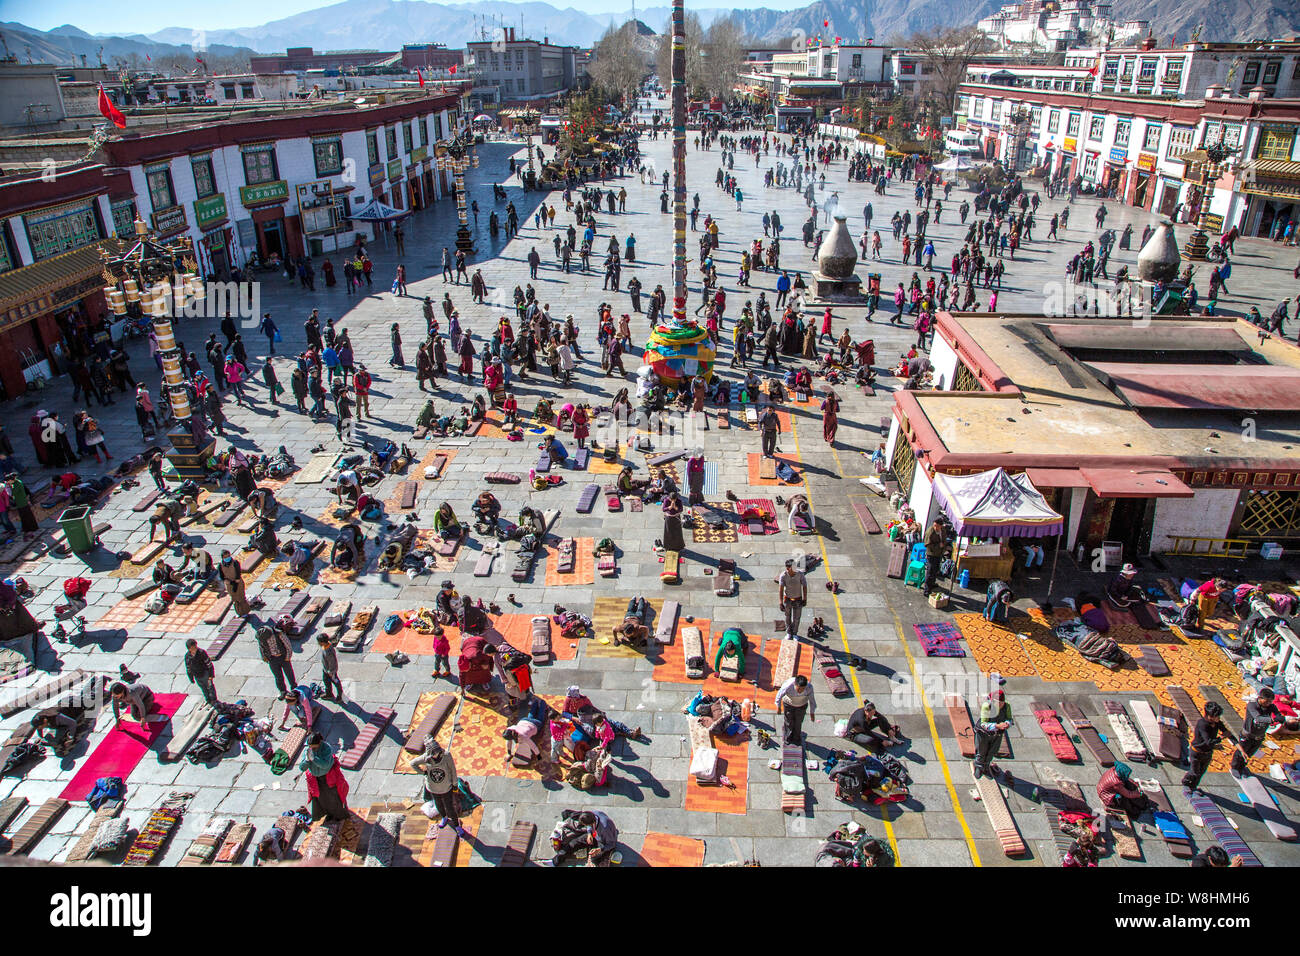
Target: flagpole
679 160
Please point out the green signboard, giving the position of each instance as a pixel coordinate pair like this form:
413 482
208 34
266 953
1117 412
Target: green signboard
210 209
419 154
275 191
394 170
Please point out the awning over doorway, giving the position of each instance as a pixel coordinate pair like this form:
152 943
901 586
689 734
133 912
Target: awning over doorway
1135 483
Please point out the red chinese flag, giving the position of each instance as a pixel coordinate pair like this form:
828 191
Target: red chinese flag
826 23
420 75
452 69
109 111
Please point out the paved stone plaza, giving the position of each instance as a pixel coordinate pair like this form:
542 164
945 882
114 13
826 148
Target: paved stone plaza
649 791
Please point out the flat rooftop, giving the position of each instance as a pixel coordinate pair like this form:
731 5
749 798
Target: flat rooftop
1090 389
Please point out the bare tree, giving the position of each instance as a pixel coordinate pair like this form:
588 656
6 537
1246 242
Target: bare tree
618 64
947 53
713 56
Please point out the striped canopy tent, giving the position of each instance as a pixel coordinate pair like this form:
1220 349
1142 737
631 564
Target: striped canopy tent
994 504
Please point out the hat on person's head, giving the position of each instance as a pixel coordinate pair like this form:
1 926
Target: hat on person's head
446 585
42 413
1128 569
573 691
1123 770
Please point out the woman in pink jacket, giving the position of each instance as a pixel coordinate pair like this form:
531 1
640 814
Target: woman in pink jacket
235 373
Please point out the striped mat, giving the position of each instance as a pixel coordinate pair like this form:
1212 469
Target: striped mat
1224 833
1004 824
710 477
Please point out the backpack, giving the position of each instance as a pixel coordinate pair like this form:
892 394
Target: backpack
392 624
785 472
106 788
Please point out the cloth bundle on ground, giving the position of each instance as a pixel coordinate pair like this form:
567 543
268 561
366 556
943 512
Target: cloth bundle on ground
1090 610
1093 646
879 778
718 715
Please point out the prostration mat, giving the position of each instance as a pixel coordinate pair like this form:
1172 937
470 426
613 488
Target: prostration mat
122 750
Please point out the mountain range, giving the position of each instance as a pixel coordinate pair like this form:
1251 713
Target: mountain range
388 24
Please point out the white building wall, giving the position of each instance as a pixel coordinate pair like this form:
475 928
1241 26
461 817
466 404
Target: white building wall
921 500
1208 514
945 362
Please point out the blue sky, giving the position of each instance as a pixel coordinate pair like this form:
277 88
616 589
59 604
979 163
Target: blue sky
148 16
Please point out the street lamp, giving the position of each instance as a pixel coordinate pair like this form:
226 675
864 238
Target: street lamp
457 155
529 123
1216 154
161 277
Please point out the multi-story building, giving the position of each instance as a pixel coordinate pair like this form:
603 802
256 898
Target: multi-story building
507 70
815 81
1146 150
1186 70
272 182
299 59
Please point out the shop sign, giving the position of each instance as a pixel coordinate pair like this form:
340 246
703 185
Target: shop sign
210 209
394 170
167 221
376 174
419 153
1118 154
276 191
1070 144
216 240
1146 161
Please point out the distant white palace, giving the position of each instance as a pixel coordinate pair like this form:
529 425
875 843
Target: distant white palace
1054 25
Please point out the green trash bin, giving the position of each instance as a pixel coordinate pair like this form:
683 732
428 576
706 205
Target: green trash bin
78 529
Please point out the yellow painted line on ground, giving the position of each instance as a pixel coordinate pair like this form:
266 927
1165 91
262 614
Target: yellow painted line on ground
844 641
916 682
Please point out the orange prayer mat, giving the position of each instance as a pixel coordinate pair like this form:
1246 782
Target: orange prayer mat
733 763
608 613
180 618
584 565
124 614
792 460
670 664
415 472
1041 653
668 849
479 749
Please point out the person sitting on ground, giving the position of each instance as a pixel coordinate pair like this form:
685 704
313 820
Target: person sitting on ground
870 730
263 538
532 523
164 573
447 603
626 484
578 706
661 485
555 450
274 844
478 410
1121 592
445 523
56 729
798 510
633 632
1118 792
137 699
487 511
300 702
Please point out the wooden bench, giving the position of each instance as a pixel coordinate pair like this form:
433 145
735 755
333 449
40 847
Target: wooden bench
409 490
355 635
724 580
37 826
672 572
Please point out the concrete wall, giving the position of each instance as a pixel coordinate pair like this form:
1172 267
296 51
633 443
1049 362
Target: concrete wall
30 97
1208 514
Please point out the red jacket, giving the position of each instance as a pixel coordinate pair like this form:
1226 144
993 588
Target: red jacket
333 779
